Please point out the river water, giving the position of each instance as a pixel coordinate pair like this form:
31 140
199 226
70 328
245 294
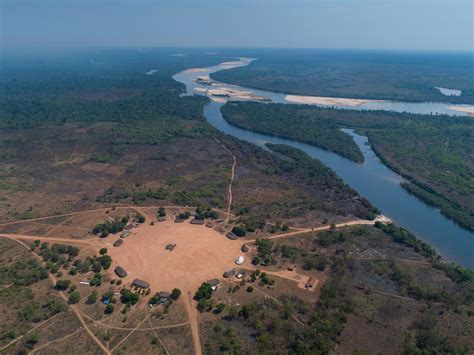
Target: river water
371 179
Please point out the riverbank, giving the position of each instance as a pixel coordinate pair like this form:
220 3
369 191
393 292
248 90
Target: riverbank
371 179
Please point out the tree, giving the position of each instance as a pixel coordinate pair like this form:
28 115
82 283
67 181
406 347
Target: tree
175 293
161 212
32 340
105 260
103 251
220 307
239 231
92 298
204 305
74 297
62 285
128 297
109 309
204 292
140 218
96 280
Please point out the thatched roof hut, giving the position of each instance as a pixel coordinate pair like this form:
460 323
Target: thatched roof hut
231 236
120 271
140 283
164 294
118 243
213 282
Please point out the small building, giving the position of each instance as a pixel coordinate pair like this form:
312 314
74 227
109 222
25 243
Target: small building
213 282
239 260
312 281
231 236
240 275
129 227
140 283
125 234
197 221
244 248
118 243
120 271
210 225
164 295
229 273
179 220
161 219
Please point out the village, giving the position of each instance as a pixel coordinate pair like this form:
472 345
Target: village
187 251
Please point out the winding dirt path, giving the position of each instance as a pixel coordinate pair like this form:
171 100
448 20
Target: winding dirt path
232 176
193 322
55 341
159 338
278 303
28 332
65 298
102 324
355 222
131 332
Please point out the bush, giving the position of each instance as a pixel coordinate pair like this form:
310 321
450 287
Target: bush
161 212
204 305
204 292
109 309
62 285
175 293
140 218
128 297
92 298
239 231
105 261
103 251
74 297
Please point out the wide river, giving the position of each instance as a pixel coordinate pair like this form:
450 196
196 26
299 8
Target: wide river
371 179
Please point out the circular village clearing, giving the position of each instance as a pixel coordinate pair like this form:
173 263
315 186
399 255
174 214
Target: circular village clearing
170 255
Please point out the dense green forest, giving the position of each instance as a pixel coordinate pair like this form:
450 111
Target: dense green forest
401 76
435 153
315 173
320 131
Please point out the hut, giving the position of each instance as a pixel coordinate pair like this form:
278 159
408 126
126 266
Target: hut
125 234
164 295
129 227
312 281
244 248
210 225
197 221
213 282
140 283
239 260
229 273
179 220
231 236
120 271
161 219
118 243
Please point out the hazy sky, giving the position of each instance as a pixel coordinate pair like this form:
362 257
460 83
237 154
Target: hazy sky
390 24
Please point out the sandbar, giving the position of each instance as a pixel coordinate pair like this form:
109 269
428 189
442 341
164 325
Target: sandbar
330 101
